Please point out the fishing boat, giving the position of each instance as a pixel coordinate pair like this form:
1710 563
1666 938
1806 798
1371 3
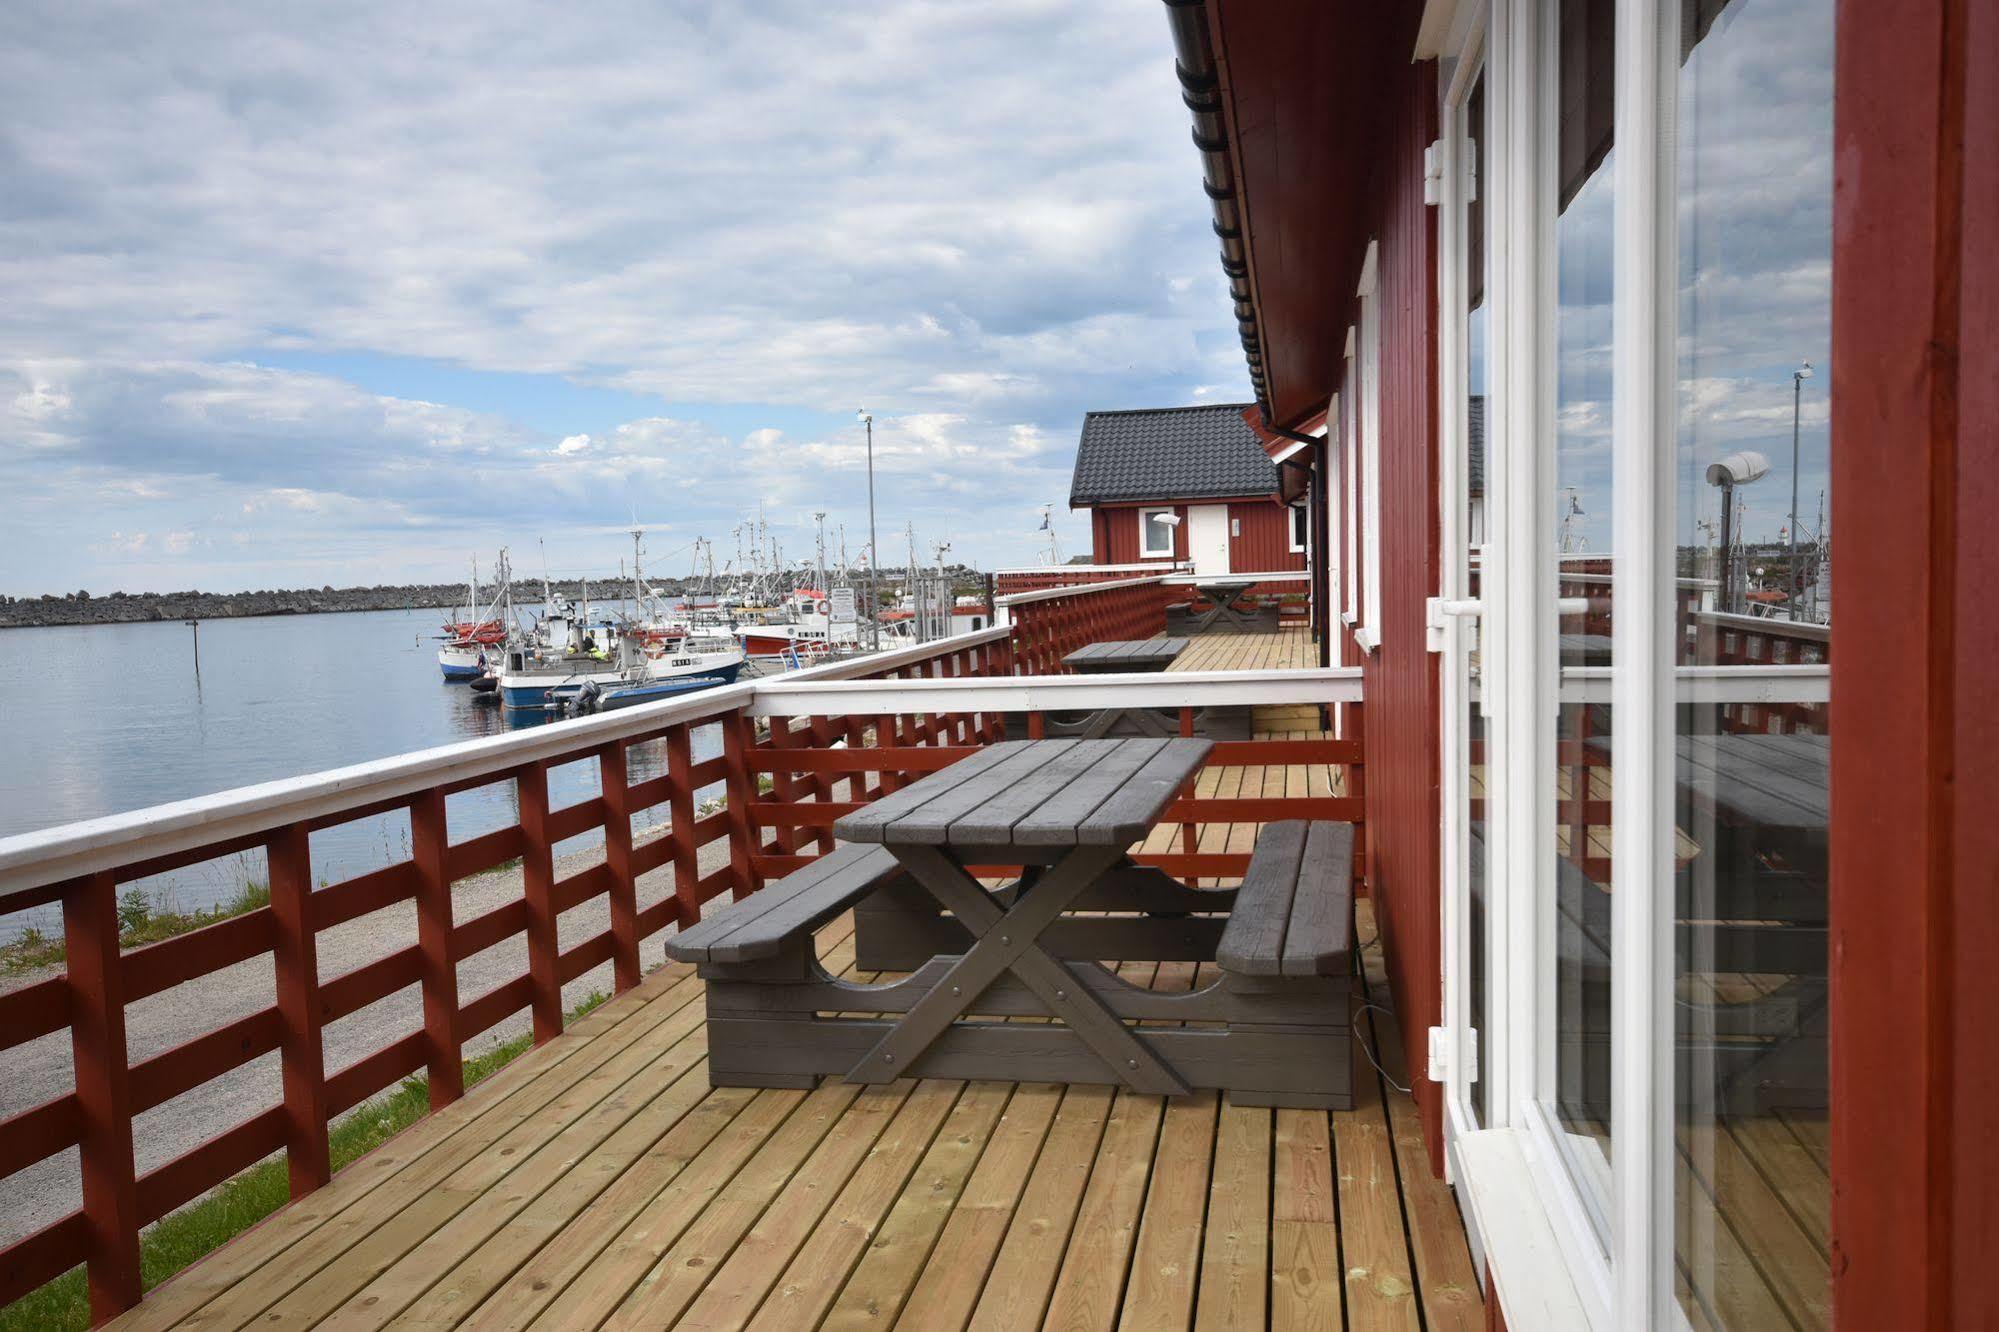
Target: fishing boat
612 659
462 658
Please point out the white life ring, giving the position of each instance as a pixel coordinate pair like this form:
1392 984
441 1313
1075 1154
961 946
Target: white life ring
824 608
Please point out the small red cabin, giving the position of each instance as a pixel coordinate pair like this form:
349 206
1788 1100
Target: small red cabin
1189 485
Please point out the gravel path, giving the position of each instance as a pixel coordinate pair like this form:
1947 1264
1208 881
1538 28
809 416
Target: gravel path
40 1070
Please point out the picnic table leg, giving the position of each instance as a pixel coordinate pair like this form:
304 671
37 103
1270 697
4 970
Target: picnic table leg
1010 941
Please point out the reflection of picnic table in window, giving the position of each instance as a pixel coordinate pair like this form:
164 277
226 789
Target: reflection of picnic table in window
1751 938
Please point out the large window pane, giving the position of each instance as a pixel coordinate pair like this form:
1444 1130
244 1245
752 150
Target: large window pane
1752 588
1578 562
1478 355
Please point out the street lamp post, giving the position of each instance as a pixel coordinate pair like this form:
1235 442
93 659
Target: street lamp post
874 592
1798 378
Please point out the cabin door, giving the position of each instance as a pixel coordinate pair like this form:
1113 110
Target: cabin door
1208 538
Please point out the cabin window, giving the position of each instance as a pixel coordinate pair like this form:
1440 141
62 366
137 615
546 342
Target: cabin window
1300 526
1746 856
1350 490
1367 362
1155 534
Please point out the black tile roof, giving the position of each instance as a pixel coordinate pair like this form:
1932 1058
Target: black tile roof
1170 453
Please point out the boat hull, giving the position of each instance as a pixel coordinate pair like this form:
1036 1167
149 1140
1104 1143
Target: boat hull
529 693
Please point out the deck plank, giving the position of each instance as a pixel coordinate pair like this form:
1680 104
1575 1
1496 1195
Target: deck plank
813 1249
953 1276
1379 1276
1449 1284
873 1293
1235 1258
1306 1284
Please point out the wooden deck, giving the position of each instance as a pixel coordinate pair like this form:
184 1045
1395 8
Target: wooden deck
599 1182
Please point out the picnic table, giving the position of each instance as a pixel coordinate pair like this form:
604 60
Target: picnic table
1131 656
1143 656
1222 596
1271 1029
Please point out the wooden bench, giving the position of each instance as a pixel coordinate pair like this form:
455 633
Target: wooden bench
1290 935
767 938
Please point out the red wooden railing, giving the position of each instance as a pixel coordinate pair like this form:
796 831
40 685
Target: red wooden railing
1049 625
90 1000
1010 582
822 760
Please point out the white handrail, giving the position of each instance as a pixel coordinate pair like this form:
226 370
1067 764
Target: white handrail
1040 570
1712 684
1075 589
49 855
1060 693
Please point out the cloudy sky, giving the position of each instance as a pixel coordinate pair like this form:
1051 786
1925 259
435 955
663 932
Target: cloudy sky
340 293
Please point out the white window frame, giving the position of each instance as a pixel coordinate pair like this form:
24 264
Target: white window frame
1300 516
1456 538
1350 490
1143 552
1368 363
1633 1286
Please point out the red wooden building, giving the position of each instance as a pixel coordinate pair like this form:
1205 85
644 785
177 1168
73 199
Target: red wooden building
1194 486
1572 280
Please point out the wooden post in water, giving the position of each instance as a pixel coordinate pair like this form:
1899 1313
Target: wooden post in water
196 626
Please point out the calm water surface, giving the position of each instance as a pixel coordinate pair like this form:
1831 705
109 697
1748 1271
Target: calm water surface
99 719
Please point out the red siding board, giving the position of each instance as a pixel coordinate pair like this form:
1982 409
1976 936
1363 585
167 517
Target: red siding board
1915 458
1400 679
1263 544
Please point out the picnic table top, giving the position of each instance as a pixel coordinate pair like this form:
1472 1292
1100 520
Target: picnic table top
1779 781
1040 793
1137 653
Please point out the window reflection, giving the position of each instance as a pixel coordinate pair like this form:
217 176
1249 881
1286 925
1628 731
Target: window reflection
1754 258
1581 570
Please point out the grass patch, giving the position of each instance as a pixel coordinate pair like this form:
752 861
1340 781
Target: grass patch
140 922
239 1203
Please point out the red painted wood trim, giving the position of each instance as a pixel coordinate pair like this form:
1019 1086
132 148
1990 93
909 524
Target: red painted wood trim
103 1094
353 898
194 1173
353 990
203 1058
38 1133
613 776
680 825
488 928
574 820
429 841
1915 448
538 885
581 887
904 760
33 1011
741 791
296 968
43 1256
591 952
367 1075
656 917
495 1006
487 851
161 966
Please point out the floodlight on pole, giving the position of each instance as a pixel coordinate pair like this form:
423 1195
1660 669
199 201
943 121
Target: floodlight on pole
1798 378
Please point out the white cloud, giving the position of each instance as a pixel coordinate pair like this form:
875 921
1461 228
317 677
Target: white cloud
978 219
